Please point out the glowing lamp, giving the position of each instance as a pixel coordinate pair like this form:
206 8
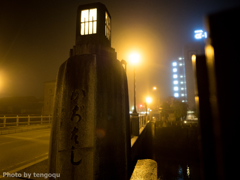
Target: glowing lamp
134 58
93 25
148 100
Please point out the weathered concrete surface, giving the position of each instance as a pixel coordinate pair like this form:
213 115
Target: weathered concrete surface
145 169
90 131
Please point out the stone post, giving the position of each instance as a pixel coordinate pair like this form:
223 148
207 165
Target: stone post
90 136
17 120
28 120
4 121
41 119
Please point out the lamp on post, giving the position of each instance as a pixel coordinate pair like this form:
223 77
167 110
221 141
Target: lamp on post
156 94
148 101
146 108
134 58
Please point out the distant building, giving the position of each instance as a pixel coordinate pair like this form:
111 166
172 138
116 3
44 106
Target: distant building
183 76
179 79
49 95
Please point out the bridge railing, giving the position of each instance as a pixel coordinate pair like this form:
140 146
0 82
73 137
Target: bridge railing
24 120
137 123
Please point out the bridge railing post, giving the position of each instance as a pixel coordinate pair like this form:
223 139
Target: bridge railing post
17 121
140 122
4 121
41 119
28 120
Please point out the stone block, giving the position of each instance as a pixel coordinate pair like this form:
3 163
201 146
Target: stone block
145 169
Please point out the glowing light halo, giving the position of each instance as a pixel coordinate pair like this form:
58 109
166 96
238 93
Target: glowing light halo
134 57
148 100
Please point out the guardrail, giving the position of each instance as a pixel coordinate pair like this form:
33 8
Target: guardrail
136 123
24 120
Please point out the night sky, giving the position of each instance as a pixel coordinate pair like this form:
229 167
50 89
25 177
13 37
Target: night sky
36 36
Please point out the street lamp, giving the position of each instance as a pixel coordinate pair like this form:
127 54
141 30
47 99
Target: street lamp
148 101
156 94
134 58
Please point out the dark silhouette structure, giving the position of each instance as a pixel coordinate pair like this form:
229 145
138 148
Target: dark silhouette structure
90 131
217 95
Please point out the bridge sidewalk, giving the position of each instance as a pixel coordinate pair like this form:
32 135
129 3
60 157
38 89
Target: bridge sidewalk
17 129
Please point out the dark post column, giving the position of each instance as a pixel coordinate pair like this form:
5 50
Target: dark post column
219 96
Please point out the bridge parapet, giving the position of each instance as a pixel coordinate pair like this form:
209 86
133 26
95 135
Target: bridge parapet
137 124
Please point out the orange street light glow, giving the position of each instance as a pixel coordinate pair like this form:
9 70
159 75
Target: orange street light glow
134 58
148 100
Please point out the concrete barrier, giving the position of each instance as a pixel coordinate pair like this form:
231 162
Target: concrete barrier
145 169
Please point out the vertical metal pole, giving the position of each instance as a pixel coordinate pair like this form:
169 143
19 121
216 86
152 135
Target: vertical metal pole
146 110
135 110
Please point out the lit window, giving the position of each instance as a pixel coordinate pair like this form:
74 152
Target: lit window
175 76
180 58
175 82
181 76
175 88
182 88
89 21
181 82
174 64
183 101
176 95
180 64
174 69
182 94
107 26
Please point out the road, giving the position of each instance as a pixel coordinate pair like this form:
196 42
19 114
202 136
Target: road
20 150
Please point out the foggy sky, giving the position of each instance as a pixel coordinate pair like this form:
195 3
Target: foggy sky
36 36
